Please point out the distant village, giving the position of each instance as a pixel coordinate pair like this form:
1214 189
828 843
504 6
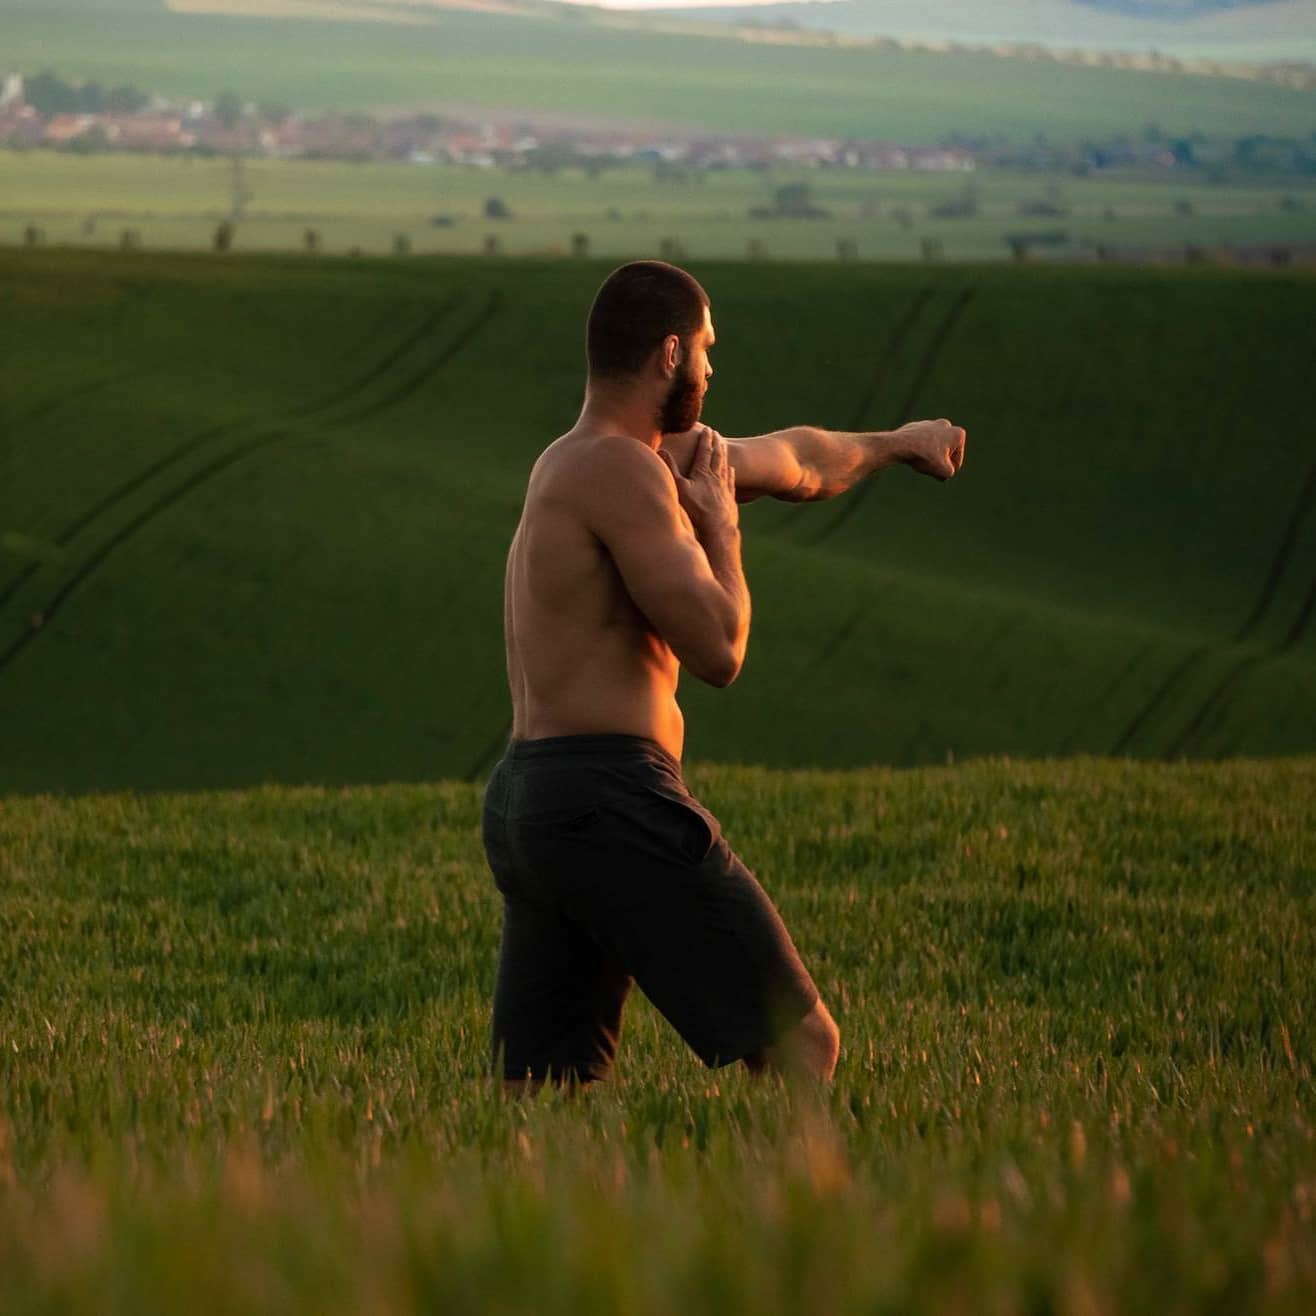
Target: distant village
43 111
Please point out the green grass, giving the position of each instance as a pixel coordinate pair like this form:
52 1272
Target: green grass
570 65
176 204
242 1045
254 513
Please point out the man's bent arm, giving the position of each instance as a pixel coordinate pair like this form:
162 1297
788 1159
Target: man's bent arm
681 570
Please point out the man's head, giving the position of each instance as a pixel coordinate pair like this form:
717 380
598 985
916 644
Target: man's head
649 331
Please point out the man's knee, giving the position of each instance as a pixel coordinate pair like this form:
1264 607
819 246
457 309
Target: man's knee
811 1046
823 1038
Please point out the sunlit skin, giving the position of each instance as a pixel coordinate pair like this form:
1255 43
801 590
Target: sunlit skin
626 568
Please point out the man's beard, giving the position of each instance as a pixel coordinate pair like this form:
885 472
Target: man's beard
681 407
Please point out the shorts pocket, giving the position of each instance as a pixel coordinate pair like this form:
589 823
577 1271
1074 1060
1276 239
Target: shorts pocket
566 820
551 841
683 826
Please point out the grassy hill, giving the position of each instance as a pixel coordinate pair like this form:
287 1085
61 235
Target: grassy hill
1279 30
240 1068
575 65
253 513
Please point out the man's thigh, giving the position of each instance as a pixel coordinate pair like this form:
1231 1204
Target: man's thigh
558 998
656 884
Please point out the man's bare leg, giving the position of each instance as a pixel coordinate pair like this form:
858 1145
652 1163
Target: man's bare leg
811 1048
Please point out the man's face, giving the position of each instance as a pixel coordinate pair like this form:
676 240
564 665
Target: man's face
681 407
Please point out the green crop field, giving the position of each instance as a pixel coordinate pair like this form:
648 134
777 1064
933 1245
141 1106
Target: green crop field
254 513
242 1039
571 65
177 203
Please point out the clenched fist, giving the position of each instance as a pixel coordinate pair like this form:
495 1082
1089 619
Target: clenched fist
933 447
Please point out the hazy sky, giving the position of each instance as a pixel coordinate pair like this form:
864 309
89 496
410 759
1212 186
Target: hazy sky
670 4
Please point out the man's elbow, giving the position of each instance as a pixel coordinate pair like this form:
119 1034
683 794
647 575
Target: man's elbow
724 676
721 669
811 489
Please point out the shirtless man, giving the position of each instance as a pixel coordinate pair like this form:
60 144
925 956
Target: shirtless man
624 569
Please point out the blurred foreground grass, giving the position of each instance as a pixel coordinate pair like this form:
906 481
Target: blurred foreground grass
242 1040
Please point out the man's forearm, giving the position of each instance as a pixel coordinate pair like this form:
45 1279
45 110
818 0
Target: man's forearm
722 548
832 461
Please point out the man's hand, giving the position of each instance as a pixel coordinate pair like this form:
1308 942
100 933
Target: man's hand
708 495
932 447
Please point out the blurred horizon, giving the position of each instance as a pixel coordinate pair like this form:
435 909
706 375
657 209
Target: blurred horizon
1278 31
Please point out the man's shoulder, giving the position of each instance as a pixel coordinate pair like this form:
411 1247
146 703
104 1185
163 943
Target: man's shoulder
601 464
608 484
601 446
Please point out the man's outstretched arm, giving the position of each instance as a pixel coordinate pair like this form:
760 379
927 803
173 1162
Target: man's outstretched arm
806 463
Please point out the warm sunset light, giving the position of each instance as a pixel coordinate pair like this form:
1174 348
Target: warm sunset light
657 659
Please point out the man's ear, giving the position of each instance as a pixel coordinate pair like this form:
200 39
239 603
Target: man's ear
671 354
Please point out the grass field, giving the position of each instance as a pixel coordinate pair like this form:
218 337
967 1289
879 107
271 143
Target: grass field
570 65
241 1062
254 512
176 204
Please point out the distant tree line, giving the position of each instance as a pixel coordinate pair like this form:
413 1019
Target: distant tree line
49 94
230 109
1217 158
791 201
1263 154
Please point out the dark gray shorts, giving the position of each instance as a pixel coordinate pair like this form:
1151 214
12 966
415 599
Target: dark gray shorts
612 873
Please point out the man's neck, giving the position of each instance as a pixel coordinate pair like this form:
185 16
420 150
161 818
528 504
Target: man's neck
606 412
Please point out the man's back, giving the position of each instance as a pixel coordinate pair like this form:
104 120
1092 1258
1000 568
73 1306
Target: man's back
581 656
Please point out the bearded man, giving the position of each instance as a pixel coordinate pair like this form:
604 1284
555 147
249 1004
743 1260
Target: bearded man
624 569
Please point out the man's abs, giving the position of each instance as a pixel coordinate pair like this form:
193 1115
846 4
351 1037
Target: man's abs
581 657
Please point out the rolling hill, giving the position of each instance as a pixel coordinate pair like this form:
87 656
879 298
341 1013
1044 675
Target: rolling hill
578 66
1277 30
253 514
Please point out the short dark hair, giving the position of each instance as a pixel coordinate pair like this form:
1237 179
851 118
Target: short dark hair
636 307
